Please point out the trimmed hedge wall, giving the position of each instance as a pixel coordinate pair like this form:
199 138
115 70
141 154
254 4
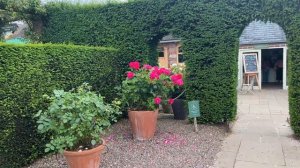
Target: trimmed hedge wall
209 30
294 75
136 28
27 72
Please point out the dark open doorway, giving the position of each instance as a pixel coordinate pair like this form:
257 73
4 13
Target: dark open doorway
272 68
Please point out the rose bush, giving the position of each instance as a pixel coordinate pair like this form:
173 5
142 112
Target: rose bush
179 69
146 87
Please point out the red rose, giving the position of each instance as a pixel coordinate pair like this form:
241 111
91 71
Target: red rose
165 71
157 100
157 70
171 101
177 79
130 75
154 75
179 82
134 65
147 66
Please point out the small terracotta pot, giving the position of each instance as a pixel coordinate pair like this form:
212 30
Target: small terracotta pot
85 159
143 124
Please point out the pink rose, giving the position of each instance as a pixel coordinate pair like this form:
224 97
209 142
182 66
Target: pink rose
134 65
171 101
130 75
157 100
147 66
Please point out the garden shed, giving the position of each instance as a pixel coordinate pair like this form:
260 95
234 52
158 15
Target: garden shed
169 51
267 41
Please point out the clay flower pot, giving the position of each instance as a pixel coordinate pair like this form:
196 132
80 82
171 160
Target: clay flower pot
85 159
143 124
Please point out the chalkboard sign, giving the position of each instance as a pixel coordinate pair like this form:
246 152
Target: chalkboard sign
250 63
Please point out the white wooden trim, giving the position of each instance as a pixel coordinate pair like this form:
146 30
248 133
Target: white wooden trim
240 66
284 74
240 70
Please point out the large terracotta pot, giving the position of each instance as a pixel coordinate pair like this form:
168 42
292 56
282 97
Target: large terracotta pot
85 159
143 124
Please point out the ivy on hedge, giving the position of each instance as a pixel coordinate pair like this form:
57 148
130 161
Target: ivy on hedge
27 72
209 30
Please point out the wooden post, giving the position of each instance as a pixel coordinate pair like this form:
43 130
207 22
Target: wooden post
195 124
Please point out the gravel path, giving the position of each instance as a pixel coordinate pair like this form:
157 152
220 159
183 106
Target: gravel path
175 145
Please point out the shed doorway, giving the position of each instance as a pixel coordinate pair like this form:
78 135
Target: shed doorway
263 54
272 68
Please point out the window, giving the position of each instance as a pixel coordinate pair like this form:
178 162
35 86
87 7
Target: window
180 55
160 51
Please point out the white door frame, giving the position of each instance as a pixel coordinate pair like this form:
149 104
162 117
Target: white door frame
240 66
284 76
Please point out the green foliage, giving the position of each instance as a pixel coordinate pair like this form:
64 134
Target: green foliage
28 10
27 72
147 84
76 119
294 75
209 41
209 30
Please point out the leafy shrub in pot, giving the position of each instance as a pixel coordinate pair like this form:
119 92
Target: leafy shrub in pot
76 119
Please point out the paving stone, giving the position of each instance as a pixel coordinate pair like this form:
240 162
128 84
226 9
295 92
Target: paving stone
232 143
225 160
266 153
261 136
243 164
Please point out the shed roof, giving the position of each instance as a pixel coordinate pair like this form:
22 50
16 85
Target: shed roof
259 32
169 38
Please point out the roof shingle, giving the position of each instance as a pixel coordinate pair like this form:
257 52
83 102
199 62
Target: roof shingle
258 32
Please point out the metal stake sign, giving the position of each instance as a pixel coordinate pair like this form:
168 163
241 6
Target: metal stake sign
194 112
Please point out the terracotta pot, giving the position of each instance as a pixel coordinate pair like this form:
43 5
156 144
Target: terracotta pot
143 124
85 159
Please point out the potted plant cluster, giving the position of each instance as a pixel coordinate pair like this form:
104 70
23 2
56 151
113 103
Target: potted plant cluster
179 105
144 89
75 120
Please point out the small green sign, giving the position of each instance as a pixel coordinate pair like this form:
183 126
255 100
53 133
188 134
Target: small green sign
194 109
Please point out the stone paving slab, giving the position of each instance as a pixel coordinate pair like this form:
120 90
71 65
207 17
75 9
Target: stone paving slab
261 137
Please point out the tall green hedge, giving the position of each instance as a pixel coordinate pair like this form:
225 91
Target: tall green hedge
27 72
294 75
136 28
209 30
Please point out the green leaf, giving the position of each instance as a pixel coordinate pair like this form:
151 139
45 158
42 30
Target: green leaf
93 142
38 114
47 150
40 127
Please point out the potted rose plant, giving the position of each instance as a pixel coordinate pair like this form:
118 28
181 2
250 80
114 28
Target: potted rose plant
75 120
143 90
179 107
